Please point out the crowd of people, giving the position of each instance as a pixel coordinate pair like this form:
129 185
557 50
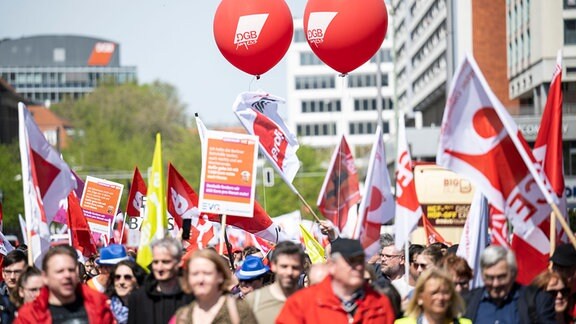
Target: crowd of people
429 284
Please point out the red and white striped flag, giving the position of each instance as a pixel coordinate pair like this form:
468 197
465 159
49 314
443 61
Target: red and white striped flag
258 113
548 146
377 206
480 140
408 209
340 191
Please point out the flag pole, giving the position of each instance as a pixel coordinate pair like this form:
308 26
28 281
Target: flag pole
228 249
552 234
122 229
307 205
556 212
222 234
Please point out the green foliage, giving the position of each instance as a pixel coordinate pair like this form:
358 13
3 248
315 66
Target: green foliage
279 199
11 186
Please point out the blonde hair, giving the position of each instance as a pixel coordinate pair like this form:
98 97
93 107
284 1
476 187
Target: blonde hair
221 268
456 303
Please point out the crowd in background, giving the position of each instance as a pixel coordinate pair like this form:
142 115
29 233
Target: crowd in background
429 284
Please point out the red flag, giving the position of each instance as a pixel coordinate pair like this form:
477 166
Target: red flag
548 146
377 206
432 236
79 229
136 194
340 191
480 139
408 209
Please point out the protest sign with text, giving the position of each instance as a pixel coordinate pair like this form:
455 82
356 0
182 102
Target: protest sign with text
100 201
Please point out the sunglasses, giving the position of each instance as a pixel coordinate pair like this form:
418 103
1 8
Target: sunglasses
127 277
564 291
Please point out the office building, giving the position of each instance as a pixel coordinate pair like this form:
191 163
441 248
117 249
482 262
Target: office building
48 69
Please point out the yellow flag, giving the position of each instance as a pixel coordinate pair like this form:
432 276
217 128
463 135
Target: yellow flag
155 221
313 248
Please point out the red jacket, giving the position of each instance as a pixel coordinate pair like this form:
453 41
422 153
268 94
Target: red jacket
95 303
319 304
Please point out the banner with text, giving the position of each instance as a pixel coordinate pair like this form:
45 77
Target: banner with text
227 184
100 201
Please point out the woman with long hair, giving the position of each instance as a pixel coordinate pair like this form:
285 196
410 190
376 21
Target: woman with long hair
555 285
207 277
435 300
28 287
124 278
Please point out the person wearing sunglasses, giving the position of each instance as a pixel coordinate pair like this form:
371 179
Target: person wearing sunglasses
124 278
555 285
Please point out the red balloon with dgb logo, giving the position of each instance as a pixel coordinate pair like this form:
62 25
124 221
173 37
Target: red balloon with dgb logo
345 34
253 35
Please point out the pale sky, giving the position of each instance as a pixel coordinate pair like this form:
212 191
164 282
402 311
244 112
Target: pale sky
167 40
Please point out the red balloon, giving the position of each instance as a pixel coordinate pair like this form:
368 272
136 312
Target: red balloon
253 35
345 34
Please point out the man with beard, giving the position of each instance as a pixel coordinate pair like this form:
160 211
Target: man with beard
64 299
287 264
343 296
160 295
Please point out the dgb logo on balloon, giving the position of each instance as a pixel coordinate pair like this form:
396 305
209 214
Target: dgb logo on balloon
248 29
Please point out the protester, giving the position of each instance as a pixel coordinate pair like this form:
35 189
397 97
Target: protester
413 251
555 285
502 299
238 258
28 287
343 296
125 277
64 299
461 273
109 256
90 265
430 257
160 295
13 265
564 263
435 301
392 266
251 275
207 277
253 251
287 265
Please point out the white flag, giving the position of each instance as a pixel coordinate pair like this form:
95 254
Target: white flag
475 236
258 113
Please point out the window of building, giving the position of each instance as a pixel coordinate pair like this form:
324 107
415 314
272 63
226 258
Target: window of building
315 82
366 127
59 55
570 31
569 4
320 129
320 105
309 58
299 36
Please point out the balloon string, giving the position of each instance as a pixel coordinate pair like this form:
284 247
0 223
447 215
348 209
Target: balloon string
256 77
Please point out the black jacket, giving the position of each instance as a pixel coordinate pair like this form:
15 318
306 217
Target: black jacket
148 305
534 305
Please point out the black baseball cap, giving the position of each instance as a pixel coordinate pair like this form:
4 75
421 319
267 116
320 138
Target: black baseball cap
564 255
348 248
